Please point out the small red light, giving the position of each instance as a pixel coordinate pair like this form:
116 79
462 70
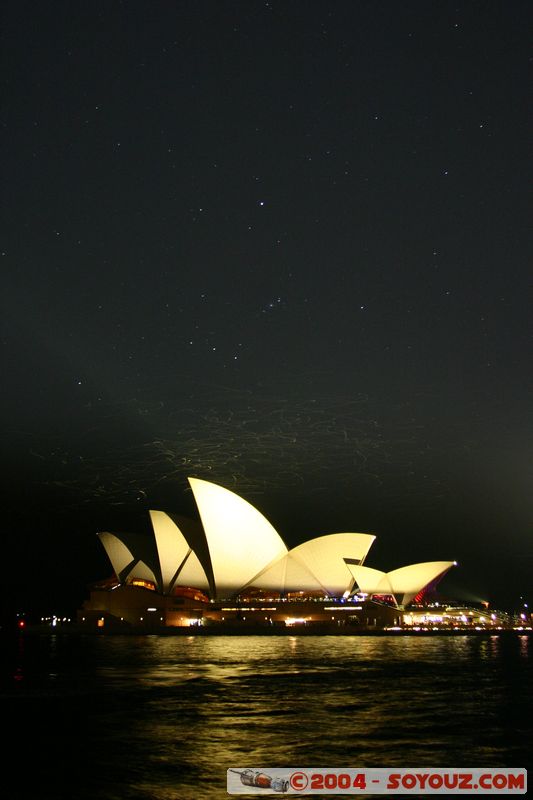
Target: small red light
22 624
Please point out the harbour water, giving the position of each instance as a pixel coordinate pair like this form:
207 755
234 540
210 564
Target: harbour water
162 718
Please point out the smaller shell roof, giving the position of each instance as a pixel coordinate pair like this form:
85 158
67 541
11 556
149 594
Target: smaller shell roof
403 583
318 564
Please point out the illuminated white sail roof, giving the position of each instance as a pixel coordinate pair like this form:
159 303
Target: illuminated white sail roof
142 572
403 583
317 565
241 540
117 552
134 555
370 581
409 581
325 557
287 575
178 563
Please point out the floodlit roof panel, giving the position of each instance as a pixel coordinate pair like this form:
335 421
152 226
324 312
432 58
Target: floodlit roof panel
241 540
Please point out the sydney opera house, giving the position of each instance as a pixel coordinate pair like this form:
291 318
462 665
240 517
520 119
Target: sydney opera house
231 569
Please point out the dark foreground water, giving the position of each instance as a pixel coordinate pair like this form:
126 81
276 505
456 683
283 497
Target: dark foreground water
163 718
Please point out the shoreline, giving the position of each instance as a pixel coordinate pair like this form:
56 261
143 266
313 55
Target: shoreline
212 630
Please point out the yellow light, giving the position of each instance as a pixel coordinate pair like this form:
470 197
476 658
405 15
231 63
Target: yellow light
241 540
144 584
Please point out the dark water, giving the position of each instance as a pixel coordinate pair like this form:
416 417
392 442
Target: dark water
163 718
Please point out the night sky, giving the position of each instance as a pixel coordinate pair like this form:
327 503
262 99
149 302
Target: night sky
284 246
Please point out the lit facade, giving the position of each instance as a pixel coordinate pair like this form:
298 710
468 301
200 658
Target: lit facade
235 565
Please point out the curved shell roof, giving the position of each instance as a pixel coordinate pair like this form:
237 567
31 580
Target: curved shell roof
370 581
318 564
403 583
241 540
117 552
131 556
179 563
408 581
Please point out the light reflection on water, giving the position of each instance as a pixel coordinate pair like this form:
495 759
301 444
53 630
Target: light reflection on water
163 718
